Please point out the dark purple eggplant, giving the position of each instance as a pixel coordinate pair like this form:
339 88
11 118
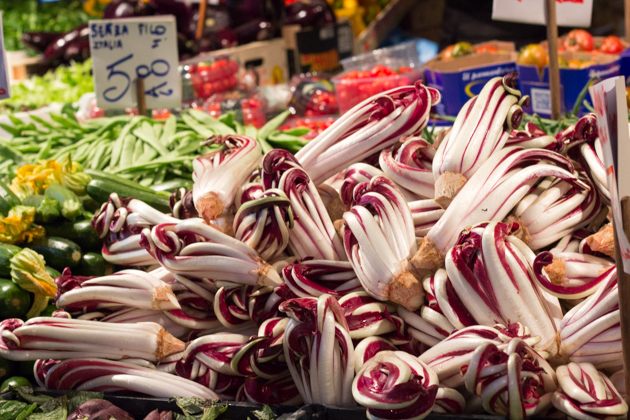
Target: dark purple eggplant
256 30
99 410
244 11
38 41
309 13
182 12
128 8
59 46
78 50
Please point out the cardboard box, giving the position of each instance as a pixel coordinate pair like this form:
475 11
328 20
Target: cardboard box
462 78
317 49
572 81
268 58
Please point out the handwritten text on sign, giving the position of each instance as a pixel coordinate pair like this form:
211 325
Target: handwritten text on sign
124 50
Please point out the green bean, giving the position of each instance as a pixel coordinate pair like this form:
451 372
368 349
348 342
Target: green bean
127 151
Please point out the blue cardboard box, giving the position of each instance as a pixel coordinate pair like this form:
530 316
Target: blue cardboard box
572 81
460 79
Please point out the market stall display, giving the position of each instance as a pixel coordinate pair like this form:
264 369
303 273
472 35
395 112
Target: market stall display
295 277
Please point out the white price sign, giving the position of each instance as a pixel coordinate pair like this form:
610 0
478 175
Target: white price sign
609 99
5 90
124 50
574 13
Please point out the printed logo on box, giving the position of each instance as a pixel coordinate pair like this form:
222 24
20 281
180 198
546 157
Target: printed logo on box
541 101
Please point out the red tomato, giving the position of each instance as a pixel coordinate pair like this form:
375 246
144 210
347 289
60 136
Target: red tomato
611 45
578 40
533 55
486 49
363 75
457 50
405 70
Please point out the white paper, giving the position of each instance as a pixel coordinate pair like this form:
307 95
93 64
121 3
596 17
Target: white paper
126 49
574 13
609 100
5 89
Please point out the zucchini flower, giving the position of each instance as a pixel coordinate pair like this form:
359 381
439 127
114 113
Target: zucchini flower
18 227
35 178
28 270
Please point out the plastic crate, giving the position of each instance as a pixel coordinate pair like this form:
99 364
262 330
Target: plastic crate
350 92
404 54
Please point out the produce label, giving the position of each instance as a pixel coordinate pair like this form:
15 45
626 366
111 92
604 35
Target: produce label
609 99
5 90
574 13
124 50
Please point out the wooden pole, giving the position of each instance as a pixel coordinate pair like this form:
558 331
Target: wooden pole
626 13
554 69
623 280
201 23
141 97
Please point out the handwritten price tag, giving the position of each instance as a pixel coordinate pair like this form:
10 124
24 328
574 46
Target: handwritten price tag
124 50
5 90
609 99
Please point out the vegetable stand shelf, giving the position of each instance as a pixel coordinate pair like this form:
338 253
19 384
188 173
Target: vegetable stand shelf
141 406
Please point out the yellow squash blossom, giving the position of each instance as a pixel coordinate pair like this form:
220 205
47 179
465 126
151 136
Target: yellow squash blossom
17 227
35 178
28 270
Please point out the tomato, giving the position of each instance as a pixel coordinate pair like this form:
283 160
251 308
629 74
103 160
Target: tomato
578 40
486 49
533 55
14 301
611 45
457 50
14 381
403 70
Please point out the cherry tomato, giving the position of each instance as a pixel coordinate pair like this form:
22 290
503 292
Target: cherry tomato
533 55
457 50
403 70
611 45
578 40
486 49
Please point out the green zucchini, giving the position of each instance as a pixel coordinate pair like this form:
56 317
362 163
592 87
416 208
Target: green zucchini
93 264
52 272
7 252
58 253
71 206
8 199
80 232
172 185
100 191
46 208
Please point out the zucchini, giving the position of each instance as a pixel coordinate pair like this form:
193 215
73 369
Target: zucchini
172 185
100 191
52 272
93 264
58 253
71 206
46 208
89 203
7 252
8 199
102 176
80 232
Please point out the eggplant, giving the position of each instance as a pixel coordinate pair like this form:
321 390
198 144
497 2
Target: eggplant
39 41
256 30
182 12
245 11
128 8
59 46
308 13
99 410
